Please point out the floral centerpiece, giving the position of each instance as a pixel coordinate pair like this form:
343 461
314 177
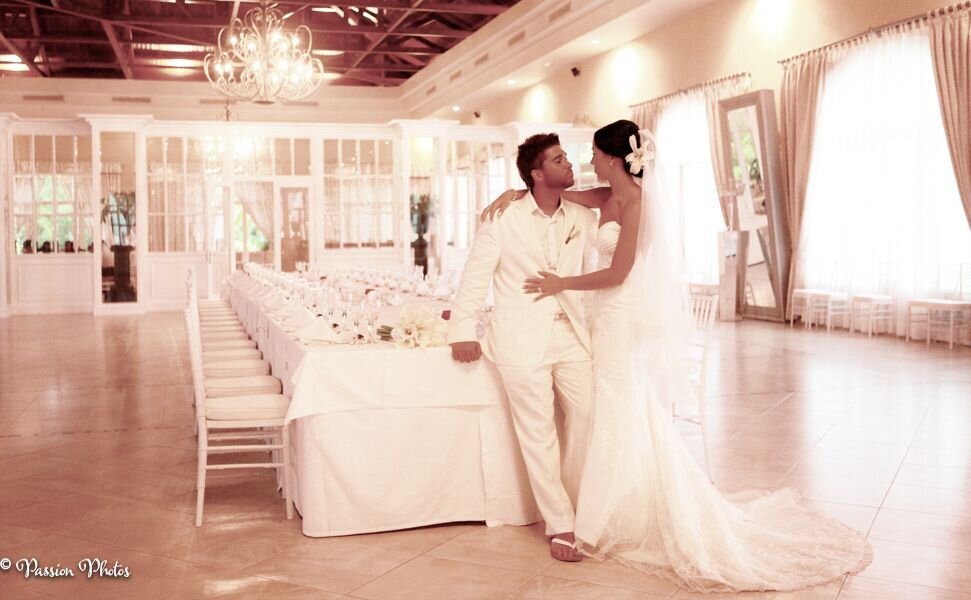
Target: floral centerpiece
419 328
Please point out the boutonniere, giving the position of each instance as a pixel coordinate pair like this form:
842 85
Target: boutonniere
573 233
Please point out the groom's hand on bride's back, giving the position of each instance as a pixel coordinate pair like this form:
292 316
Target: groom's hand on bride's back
465 352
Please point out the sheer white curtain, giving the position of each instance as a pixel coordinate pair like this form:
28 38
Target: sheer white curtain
882 208
257 198
684 157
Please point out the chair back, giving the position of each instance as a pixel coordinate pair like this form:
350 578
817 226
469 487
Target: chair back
886 279
842 276
949 281
193 334
965 286
703 311
195 361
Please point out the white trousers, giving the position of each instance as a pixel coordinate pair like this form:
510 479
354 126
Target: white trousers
565 375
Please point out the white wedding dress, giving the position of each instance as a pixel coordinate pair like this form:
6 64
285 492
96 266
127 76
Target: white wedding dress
645 502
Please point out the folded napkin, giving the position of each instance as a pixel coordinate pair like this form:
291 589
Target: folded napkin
423 289
292 307
273 301
299 319
442 291
321 330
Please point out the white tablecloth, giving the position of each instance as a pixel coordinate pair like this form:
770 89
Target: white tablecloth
385 438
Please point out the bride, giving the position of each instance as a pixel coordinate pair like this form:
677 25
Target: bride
643 499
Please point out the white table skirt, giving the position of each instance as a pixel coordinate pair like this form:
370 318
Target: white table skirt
385 438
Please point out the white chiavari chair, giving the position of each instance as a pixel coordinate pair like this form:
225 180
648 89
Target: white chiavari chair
231 362
243 424
946 315
869 311
704 309
833 301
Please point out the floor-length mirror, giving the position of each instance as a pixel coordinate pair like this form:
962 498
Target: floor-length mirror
751 148
119 264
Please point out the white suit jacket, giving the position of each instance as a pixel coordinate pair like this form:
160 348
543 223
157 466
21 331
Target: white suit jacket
506 252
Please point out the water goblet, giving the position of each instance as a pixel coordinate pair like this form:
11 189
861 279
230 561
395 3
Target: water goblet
372 311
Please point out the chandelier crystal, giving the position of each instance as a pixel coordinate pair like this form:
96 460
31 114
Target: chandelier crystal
257 60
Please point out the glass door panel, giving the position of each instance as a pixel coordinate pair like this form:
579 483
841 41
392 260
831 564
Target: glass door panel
253 223
218 256
119 265
295 239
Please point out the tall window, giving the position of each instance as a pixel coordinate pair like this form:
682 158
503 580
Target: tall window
580 155
52 208
475 175
688 181
177 170
882 212
358 194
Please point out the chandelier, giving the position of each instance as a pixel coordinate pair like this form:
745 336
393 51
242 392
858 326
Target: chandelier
257 60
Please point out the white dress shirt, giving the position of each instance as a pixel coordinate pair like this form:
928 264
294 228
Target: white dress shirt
549 231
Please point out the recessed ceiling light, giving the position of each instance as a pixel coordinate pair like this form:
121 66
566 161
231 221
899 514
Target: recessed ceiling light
456 108
511 82
594 41
547 63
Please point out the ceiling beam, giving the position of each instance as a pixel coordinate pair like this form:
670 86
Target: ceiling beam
391 27
119 51
467 8
23 57
108 19
344 46
147 63
35 27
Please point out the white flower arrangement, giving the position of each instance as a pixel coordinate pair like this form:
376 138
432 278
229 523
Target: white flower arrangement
640 156
419 328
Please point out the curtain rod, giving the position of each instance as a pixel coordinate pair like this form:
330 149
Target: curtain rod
937 12
693 88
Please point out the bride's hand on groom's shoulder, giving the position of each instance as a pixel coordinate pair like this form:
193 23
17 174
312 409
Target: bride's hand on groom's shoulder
466 352
500 204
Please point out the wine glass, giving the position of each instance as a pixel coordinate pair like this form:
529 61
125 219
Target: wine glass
355 315
372 311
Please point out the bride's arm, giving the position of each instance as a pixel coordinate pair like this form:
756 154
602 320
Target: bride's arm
548 284
592 198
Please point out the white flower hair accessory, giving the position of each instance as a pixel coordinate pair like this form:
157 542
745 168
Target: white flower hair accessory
641 155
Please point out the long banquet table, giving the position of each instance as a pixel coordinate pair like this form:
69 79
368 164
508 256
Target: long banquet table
384 438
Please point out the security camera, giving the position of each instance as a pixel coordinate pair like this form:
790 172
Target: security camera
575 71
477 114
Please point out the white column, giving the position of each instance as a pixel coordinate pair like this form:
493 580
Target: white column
6 224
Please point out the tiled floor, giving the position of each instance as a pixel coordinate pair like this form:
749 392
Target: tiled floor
97 460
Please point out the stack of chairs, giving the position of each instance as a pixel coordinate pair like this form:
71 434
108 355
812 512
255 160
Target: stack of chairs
239 405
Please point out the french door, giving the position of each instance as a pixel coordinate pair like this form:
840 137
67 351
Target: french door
270 222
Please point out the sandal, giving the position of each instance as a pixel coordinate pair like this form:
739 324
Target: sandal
567 558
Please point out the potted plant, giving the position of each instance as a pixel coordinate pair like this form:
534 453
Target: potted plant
422 209
118 215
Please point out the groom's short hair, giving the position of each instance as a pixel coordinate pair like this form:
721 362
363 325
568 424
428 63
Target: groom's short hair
531 153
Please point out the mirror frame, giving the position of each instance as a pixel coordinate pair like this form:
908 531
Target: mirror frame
775 203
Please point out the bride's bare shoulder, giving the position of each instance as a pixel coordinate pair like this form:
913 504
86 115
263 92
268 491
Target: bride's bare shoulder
627 199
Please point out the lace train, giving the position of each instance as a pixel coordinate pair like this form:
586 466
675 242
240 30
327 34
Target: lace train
645 502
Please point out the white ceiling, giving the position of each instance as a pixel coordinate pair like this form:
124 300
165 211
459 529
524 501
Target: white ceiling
546 48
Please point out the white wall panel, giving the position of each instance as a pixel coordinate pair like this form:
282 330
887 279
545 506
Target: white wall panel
52 284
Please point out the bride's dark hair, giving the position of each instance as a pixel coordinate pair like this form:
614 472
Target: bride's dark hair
614 139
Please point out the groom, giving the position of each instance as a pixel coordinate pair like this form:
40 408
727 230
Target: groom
541 348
